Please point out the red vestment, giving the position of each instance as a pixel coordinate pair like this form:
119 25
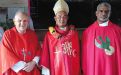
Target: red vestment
62 55
101 50
17 47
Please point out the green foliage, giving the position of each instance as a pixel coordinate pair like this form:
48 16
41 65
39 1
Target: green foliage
6 25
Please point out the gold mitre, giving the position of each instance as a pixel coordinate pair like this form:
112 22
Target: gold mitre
61 5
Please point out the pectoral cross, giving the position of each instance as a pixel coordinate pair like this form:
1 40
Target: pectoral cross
24 54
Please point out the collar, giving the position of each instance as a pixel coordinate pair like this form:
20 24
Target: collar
104 24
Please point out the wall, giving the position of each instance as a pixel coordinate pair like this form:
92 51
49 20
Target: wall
10 7
13 3
82 13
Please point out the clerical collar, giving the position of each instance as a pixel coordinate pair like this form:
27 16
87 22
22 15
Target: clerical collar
63 28
104 24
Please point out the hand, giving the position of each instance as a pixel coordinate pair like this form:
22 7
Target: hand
29 66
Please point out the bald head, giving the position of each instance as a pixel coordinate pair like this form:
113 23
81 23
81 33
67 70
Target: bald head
20 14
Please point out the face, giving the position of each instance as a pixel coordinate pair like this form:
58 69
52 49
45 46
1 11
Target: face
21 22
61 18
103 14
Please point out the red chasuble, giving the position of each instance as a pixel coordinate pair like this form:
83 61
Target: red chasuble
17 47
101 50
62 55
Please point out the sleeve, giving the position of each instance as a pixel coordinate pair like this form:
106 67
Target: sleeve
38 48
18 66
7 55
84 51
45 61
45 71
36 59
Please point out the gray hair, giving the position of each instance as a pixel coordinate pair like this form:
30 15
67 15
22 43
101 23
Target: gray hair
104 4
21 12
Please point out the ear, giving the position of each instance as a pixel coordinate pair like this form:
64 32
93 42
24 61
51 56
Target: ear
13 20
96 13
67 17
110 13
55 17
